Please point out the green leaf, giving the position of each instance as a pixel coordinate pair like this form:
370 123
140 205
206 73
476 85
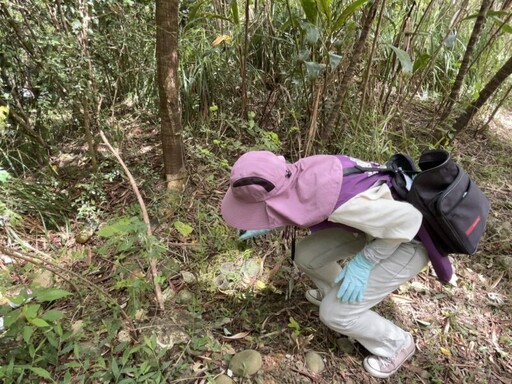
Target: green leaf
421 61
312 34
488 14
4 175
40 323
504 26
67 378
11 317
347 12
41 372
182 228
30 310
310 9
334 60
313 69
52 315
121 226
234 12
50 294
27 333
115 368
325 8
405 59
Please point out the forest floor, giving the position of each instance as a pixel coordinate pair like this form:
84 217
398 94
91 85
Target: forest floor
463 333
223 297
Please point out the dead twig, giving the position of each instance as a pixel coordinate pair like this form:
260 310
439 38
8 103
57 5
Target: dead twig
152 261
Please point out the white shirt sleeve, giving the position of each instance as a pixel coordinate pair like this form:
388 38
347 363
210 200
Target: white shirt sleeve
387 221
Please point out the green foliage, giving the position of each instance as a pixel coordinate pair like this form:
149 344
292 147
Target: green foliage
130 248
34 335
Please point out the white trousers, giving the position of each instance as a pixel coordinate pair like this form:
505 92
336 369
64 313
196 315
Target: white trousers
317 256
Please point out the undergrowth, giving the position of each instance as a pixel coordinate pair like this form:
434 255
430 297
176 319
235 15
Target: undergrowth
95 317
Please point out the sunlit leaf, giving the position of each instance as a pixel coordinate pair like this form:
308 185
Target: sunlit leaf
446 351
4 175
220 39
488 14
39 323
182 228
119 227
404 58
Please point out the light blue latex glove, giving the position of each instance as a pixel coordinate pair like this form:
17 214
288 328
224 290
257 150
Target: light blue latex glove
355 279
253 233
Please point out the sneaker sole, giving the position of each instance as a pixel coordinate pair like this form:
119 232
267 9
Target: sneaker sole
381 375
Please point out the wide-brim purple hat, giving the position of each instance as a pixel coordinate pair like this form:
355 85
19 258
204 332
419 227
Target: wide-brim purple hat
265 192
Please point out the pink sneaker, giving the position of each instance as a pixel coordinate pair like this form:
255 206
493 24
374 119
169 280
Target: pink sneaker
383 367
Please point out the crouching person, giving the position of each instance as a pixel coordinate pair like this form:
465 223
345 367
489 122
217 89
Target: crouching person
352 218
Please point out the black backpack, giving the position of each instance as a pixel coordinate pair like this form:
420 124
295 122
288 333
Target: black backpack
454 209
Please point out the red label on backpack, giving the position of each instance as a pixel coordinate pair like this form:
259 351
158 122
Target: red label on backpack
472 226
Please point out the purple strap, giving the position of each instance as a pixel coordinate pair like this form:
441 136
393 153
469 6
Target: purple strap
440 262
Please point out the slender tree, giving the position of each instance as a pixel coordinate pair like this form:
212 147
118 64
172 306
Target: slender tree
168 89
350 70
493 84
464 65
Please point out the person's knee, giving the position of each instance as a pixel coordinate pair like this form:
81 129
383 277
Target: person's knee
302 258
336 318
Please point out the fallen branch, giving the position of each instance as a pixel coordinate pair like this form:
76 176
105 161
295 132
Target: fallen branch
152 261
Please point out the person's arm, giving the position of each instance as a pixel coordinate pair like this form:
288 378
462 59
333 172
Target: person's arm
387 221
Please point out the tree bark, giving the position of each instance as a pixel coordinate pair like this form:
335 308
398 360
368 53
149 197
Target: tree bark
487 92
464 65
167 24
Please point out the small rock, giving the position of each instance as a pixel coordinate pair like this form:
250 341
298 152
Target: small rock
168 294
246 363
124 336
188 277
184 296
314 362
223 379
250 270
169 336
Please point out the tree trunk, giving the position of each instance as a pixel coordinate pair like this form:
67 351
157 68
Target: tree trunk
464 65
350 71
168 89
487 92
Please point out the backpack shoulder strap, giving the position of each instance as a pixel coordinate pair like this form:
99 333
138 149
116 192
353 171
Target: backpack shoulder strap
398 165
